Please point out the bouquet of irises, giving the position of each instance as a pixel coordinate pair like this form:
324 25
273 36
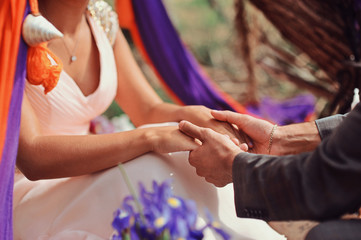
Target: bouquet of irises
160 215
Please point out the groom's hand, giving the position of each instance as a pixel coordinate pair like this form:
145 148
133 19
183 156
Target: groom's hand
257 129
213 159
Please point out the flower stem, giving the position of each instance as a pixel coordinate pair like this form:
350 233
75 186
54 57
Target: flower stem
132 192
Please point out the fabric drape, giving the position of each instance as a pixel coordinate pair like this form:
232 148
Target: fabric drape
156 37
12 75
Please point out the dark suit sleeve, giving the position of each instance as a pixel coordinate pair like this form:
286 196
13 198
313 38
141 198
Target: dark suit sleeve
326 125
320 185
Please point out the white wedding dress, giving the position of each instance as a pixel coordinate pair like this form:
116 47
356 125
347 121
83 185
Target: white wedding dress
82 207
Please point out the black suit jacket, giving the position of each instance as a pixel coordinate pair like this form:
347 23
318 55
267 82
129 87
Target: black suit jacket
319 185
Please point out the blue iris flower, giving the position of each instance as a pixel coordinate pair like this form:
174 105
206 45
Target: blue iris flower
164 216
216 226
120 223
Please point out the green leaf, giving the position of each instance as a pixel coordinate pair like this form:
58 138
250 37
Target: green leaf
126 235
165 235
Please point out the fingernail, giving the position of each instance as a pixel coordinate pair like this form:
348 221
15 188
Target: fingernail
181 123
244 147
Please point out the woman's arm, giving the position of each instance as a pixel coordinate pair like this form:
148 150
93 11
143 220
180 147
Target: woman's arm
138 99
42 157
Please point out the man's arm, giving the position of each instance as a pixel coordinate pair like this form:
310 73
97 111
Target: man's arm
326 125
289 139
295 138
319 185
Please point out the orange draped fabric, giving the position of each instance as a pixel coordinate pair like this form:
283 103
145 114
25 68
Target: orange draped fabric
34 7
10 22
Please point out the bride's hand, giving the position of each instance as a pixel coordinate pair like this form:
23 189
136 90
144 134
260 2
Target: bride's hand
169 139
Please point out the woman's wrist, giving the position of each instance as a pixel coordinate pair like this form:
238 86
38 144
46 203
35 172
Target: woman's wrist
145 139
193 113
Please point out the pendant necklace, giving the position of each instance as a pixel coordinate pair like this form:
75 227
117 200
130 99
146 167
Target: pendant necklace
73 57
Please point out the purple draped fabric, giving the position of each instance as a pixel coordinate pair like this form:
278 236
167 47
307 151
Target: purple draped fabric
7 166
177 67
289 111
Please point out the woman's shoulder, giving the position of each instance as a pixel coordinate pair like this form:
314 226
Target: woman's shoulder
105 17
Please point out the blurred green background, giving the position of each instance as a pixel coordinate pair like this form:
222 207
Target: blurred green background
207 27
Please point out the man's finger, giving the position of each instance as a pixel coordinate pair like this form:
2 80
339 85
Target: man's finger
235 141
237 119
231 117
190 129
243 147
215 182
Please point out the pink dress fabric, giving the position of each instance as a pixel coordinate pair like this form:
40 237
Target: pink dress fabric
82 207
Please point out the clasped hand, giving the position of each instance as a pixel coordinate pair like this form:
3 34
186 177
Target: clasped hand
213 159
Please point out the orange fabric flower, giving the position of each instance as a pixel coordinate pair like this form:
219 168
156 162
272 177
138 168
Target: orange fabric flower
43 67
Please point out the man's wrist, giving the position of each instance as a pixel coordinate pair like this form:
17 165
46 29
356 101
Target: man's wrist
230 160
295 138
278 139
270 140
326 125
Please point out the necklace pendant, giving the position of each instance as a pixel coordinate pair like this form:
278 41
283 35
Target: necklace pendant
73 59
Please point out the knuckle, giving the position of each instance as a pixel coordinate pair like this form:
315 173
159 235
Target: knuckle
191 162
199 172
220 184
207 131
204 130
211 180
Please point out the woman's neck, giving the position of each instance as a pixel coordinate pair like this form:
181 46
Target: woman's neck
65 15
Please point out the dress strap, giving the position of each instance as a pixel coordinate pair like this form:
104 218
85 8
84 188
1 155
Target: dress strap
105 17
